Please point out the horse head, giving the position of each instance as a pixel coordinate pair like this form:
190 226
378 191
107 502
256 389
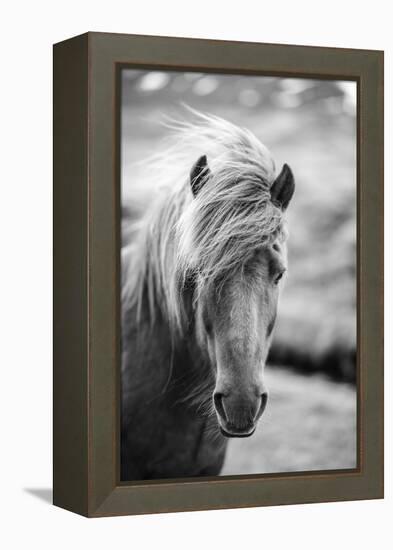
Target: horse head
237 287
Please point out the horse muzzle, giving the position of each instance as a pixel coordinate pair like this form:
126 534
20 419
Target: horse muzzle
238 416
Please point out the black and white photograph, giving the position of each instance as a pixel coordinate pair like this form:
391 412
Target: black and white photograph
238 274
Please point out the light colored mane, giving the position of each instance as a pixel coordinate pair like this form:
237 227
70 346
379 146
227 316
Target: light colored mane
208 236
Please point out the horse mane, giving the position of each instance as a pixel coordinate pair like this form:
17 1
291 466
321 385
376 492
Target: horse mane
205 237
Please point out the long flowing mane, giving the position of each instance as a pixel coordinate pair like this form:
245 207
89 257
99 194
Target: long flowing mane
207 236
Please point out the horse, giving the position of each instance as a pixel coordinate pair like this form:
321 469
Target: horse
200 288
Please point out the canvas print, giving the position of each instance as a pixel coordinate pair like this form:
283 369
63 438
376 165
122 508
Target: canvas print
238 274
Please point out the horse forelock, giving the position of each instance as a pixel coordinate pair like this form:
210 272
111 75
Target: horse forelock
210 235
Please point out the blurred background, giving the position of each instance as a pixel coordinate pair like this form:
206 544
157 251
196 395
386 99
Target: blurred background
310 422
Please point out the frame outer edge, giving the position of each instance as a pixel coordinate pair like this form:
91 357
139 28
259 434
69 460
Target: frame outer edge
105 496
370 275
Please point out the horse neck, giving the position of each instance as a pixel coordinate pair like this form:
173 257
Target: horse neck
174 365
162 310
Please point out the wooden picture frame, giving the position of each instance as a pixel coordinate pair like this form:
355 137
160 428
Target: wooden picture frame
86 274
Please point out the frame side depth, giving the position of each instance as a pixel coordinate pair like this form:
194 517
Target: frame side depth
70 268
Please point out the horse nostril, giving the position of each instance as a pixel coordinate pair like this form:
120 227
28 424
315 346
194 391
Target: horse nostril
264 397
218 403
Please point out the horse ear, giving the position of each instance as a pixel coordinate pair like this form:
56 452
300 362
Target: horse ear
199 175
283 188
